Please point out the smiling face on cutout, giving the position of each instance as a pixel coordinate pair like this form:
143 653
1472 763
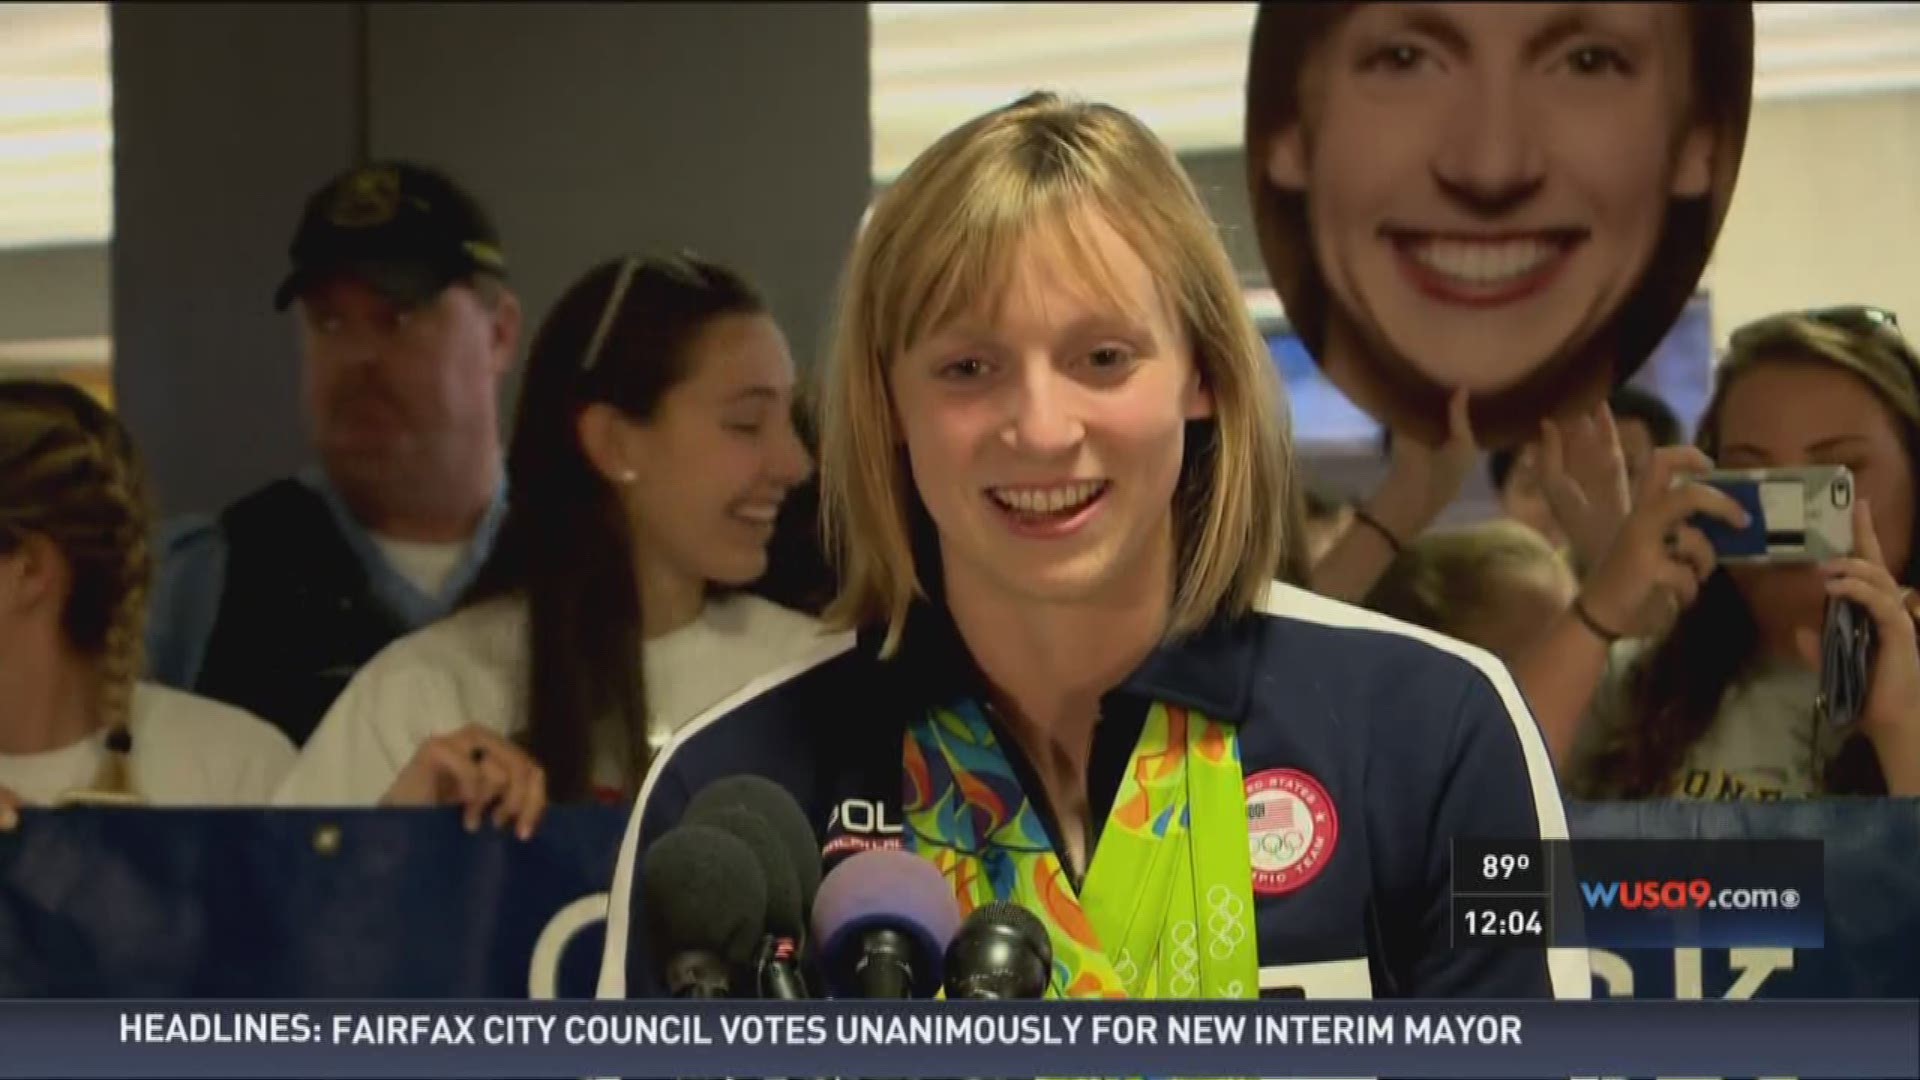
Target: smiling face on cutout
1485 187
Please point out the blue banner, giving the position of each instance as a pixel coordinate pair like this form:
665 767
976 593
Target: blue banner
943 1039
1872 901
391 904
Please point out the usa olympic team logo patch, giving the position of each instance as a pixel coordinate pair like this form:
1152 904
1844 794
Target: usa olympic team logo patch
1291 829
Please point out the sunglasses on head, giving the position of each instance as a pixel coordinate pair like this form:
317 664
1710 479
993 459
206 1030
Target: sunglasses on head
1865 319
1856 317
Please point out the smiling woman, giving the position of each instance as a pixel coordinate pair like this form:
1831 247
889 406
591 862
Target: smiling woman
651 453
1729 701
1510 200
1058 487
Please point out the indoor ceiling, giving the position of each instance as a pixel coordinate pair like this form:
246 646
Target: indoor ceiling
1177 65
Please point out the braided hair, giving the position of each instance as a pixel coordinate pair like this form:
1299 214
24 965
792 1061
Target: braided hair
69 473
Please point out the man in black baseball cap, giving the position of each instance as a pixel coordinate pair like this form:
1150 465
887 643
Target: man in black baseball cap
407 331
407 231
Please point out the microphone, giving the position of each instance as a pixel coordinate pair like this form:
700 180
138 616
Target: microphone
777 808
1001 952
706 908
881 925
776 964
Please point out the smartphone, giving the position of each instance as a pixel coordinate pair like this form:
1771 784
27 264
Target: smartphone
1847 646
1797 515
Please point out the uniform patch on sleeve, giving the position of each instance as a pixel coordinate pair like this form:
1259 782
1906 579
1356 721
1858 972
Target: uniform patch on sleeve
1292 828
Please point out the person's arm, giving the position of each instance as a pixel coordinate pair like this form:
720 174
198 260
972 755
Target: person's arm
190 570
1891 717
1421 480
1559 676
1655 551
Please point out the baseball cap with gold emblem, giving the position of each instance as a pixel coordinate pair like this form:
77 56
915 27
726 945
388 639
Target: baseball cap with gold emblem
404 229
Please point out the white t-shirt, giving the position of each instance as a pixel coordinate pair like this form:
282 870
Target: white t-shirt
471 668
1766 741
187 751
427 566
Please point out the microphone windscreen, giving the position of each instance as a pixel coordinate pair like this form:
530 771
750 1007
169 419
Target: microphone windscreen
886 888
1018 919
704 892
778 809
785 916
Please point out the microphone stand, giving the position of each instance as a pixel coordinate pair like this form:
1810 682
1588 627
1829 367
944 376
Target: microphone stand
777 970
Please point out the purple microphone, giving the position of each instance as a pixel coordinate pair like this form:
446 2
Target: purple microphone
881 926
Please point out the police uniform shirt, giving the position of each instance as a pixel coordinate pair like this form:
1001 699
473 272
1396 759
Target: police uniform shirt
1367 745
274 604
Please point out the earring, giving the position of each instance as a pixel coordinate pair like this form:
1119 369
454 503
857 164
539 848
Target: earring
628 476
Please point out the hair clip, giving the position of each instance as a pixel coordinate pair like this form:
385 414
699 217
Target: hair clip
619 293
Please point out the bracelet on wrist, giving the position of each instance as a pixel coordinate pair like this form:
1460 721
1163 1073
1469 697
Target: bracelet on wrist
1362 515
1594 626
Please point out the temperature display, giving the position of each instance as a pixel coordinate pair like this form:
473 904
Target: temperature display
1503 867
1495 867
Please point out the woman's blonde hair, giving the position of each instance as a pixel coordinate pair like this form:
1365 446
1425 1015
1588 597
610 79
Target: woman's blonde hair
939 243
68 472
1449 580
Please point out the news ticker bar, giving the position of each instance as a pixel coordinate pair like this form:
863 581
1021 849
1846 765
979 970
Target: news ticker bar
911 1040
1640 894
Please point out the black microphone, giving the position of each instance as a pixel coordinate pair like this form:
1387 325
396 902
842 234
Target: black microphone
784 841
776 963
882 923
706 909
1001 952
778 809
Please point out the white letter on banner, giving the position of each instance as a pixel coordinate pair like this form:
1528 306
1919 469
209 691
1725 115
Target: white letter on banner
543 971
1613 970
1754 965
1687 981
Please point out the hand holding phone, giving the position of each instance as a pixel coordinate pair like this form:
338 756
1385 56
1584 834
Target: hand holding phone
1660 548
1870 639
1797 515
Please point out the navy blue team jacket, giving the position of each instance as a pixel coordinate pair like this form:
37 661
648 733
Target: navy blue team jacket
1366 746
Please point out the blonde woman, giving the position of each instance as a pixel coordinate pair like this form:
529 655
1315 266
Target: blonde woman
1057 486
1498 585
74 568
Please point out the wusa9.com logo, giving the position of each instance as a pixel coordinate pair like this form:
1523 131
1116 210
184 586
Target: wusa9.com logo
1697 894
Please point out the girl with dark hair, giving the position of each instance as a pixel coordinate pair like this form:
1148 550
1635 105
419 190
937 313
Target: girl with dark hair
74 569
652 450
1726 704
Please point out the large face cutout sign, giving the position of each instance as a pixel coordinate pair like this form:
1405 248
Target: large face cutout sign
1512 199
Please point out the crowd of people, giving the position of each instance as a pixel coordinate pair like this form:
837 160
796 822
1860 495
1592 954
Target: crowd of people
1042 501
